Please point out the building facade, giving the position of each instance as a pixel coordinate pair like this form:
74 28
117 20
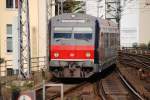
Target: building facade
95 8
134 19
134 22
38 28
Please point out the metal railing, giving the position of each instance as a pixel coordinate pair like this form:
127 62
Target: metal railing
37 63
136 50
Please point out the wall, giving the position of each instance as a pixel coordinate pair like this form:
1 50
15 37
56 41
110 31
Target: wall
6 17
144 24
38 29
129 30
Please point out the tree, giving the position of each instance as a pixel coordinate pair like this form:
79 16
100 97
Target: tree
1 60
134 45
148 45
69 5
143 46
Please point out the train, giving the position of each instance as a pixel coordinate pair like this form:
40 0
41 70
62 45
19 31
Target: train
81 45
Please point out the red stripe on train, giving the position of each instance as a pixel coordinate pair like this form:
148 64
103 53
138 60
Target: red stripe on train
71 52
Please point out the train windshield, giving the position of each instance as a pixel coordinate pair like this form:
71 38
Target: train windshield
62 35
83 36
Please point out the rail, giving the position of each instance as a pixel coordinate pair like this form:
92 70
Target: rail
131 59
99 90
129 85
70 90
139 51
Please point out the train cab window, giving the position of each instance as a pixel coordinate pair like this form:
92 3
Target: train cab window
62 35
83 36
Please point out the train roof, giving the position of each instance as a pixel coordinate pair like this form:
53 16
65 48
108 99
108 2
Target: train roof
107 23
73 16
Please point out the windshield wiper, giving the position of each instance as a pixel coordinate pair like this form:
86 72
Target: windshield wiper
57 40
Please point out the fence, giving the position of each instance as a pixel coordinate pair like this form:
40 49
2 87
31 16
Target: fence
7 68
136 50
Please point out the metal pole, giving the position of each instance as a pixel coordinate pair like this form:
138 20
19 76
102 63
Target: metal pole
19 35
28 40
98 8
24 38
62 92
43 89
58 11
61 6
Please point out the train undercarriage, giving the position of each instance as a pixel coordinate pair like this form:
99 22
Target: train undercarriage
75 70
72 71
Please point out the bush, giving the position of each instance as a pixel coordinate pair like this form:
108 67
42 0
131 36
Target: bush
135 45
1 60
143 46
15 92
148 45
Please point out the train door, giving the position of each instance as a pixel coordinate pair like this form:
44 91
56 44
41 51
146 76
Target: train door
101 51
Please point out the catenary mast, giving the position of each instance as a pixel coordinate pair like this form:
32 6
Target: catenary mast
24 39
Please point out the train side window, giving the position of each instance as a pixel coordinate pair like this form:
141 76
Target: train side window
106 36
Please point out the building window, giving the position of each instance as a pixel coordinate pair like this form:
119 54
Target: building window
9 38
10 72
9 29
11 3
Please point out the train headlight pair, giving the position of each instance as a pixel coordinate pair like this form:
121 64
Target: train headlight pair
88 54
56 54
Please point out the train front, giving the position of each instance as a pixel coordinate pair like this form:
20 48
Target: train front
72 39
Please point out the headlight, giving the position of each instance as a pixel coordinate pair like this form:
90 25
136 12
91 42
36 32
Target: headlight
88 54
56 54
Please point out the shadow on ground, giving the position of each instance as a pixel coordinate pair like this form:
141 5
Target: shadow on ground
92 79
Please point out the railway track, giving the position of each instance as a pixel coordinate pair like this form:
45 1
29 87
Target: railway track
83 91
135 60
129 86
112 87
68 92
138 67
116 87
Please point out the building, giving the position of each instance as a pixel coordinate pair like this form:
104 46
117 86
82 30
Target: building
95 8
135 22
9 28
134 18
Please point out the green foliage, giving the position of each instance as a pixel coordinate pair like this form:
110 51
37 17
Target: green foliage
143 46
1 60
28 84
75 98
15 88
148 45
134 45
69 5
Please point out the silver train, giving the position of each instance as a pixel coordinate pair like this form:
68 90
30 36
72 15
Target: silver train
81 45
